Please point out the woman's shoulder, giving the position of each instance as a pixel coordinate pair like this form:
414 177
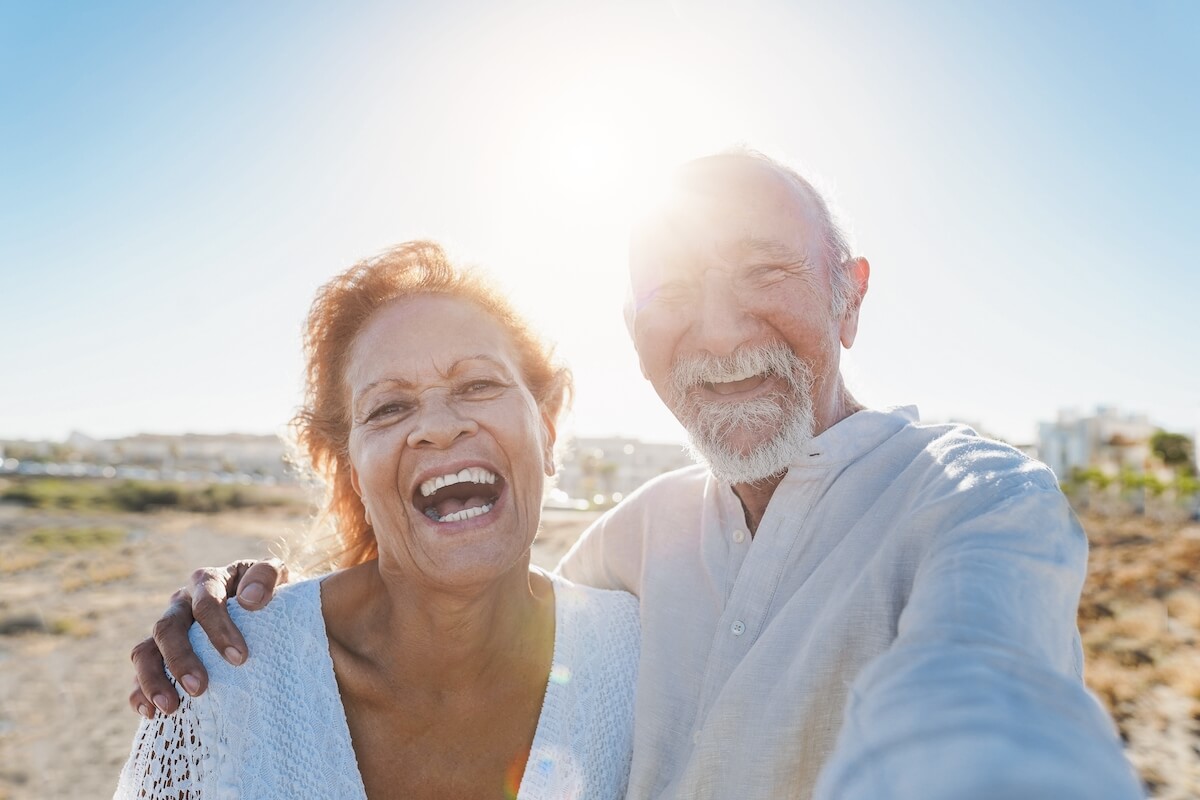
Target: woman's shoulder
275 724
288 629
292 602
601 617
585 734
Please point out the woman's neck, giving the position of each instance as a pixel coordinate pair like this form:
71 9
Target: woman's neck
443 639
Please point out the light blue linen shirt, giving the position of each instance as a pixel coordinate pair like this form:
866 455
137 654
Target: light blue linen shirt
901 625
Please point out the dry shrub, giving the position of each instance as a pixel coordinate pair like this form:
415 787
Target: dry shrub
1181 671
97 574
1183 606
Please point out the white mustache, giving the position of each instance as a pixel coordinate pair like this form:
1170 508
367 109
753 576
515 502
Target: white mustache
689 372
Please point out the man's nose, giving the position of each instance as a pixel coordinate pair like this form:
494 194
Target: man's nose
440 422
720 322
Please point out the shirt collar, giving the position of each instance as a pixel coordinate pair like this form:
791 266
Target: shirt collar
848 440
857 434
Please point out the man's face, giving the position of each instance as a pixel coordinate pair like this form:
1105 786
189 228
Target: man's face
733 318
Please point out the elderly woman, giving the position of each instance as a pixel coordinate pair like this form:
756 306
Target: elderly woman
437 663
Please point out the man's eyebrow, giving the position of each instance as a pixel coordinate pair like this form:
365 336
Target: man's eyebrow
771 248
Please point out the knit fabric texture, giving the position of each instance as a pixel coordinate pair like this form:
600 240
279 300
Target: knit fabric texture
275 727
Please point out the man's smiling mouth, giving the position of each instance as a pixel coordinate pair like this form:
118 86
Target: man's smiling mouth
735 386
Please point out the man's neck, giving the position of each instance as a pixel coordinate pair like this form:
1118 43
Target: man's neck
756 496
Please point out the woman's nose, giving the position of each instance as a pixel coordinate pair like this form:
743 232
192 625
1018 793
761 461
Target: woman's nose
440 423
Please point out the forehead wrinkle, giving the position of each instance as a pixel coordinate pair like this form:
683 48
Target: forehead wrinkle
768 248
455 367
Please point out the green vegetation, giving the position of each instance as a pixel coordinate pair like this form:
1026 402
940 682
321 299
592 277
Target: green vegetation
87 495
75 538
57 493
1175 450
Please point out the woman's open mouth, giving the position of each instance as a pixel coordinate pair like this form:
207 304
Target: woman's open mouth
456 496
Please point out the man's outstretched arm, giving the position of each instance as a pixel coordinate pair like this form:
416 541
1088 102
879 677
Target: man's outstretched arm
202 600
981 694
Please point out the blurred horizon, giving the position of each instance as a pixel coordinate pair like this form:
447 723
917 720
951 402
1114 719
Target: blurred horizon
282 431
178 181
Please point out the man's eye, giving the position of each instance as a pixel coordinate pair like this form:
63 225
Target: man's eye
672 293
767 273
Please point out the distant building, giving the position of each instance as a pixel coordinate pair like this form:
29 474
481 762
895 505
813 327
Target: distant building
189 456
603 470
1109 440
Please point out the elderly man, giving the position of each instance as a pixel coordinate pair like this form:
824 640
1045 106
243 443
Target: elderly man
840 602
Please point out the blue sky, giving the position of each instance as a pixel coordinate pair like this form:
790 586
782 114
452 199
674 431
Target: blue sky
176 180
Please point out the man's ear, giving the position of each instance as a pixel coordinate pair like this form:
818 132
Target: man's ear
860 277
631 327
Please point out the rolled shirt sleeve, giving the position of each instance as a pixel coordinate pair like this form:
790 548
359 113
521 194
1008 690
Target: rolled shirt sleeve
981 693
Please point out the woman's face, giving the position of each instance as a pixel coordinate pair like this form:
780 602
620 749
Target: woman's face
448 448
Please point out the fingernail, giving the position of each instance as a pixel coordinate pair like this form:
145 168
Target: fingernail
234 656
160 701
191 683
253 593
144 711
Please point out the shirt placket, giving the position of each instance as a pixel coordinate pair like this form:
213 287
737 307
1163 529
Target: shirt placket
755 569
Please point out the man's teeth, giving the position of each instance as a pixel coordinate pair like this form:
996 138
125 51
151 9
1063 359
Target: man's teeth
733 377
466 513
472 474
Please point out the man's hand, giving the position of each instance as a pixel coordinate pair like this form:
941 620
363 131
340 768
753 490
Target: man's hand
203 601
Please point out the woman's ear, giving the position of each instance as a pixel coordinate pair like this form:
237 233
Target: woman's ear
358 491
549 436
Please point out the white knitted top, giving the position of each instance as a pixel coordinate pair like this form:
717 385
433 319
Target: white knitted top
275 727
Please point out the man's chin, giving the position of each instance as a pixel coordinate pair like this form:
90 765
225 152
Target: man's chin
741 442
745 454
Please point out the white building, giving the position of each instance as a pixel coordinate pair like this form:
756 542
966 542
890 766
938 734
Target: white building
1109 440
190 452
603 470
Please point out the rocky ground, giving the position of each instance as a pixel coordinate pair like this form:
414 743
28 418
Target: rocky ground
77 590
1140 620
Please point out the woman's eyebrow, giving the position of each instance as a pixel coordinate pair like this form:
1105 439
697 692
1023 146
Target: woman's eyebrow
397 382
462 363
455 368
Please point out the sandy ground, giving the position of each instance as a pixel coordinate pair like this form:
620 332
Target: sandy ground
70 613
69 616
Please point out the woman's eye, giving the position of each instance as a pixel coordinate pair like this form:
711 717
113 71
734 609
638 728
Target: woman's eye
480 387
384 410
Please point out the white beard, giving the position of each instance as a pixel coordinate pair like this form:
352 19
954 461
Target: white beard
784 418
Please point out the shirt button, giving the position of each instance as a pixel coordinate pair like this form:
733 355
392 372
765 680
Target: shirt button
739 536
738 628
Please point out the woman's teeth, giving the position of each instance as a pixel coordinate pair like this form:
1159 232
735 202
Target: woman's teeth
466 513
472 474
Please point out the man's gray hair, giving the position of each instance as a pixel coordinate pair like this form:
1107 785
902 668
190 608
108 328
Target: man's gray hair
834 246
